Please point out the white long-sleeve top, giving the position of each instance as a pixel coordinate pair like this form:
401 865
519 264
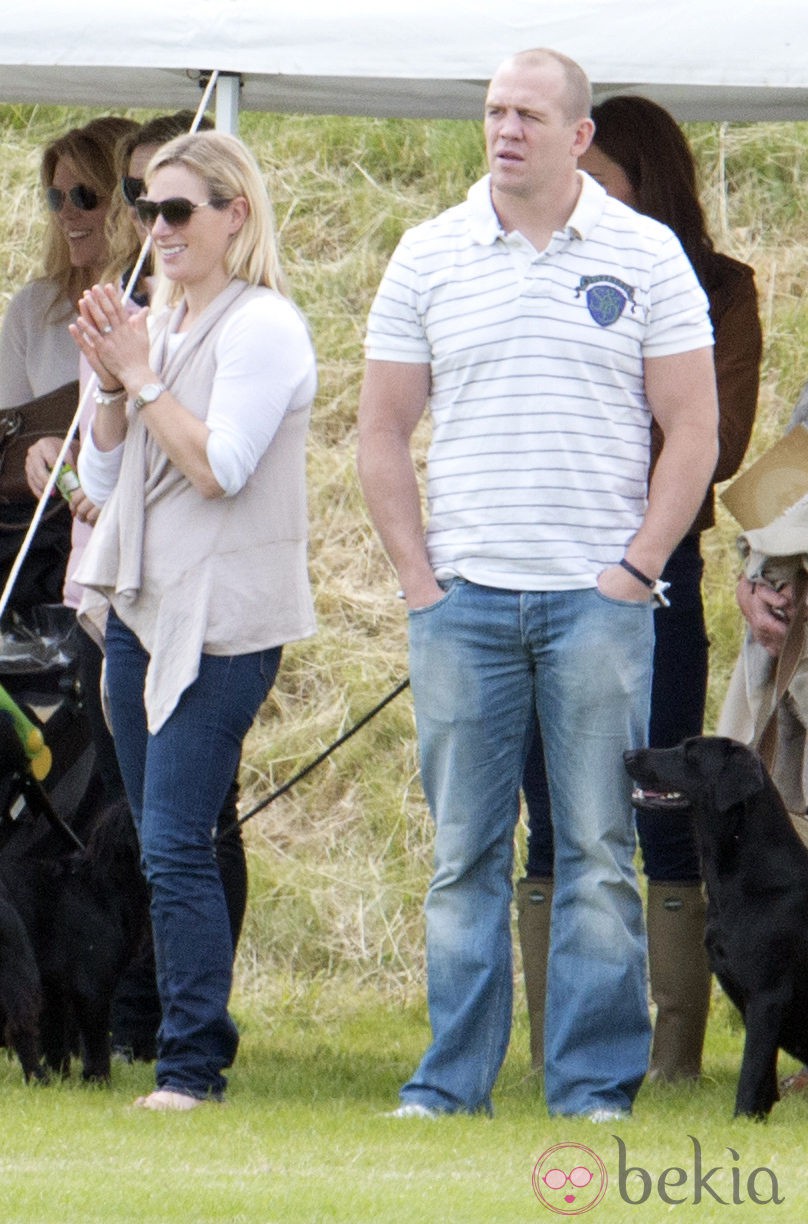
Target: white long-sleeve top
245 406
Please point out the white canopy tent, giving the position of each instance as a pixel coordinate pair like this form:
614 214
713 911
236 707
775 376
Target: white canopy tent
703 59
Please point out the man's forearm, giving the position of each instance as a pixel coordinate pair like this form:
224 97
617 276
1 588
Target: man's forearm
391 403
682 396
680 480
389 484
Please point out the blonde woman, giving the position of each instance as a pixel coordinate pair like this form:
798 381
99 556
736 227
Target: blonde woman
197 454
37 356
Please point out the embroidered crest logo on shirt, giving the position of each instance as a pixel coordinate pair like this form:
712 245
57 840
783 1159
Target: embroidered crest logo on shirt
606 298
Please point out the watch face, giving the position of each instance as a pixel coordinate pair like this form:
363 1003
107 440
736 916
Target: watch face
149 394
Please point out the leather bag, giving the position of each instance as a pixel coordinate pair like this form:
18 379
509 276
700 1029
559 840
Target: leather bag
48 415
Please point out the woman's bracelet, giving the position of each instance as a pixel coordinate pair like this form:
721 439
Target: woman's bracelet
105 398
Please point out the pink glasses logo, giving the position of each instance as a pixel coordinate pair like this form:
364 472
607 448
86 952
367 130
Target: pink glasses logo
569 1179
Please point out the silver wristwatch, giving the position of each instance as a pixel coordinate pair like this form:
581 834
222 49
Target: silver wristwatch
148 394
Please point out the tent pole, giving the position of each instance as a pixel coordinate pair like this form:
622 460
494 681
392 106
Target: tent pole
227 102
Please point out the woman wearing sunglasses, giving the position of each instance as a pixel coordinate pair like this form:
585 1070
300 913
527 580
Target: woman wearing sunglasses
136 1007
37 356
132 155
198 559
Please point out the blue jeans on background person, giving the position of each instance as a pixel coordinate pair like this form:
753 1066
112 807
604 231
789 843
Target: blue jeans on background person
176 782
678 699
481 661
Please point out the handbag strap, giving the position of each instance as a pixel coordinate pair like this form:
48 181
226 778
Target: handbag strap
21 528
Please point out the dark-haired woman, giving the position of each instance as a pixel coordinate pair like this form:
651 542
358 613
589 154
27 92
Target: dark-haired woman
640 156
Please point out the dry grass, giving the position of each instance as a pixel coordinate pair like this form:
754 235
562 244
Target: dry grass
339 864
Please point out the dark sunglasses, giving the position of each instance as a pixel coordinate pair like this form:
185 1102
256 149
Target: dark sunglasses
176 211
79 196
132 188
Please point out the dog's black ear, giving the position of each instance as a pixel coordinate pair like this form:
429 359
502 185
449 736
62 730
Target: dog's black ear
741 776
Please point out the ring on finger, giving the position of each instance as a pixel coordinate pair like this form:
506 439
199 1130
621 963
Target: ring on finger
106 329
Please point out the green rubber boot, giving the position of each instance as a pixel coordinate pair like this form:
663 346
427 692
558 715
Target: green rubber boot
533 904
680 979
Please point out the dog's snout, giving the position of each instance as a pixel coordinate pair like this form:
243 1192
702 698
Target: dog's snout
635 761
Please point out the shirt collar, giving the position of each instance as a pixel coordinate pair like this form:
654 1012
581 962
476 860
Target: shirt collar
486 227
485 224
589 208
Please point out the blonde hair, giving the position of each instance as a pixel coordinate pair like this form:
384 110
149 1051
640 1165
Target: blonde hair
124 242
90 150
228 169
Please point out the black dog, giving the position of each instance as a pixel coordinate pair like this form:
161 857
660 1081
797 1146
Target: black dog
70 921
755 868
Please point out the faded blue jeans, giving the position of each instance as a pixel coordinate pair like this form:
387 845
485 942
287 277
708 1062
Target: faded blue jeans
480 660
678 697
176 781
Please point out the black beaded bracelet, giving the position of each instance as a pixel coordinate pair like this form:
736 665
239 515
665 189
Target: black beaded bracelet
106 398
655 585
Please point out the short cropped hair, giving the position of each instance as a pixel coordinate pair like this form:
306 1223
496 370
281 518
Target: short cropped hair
577 89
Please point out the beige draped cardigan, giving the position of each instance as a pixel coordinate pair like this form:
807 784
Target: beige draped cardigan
192 575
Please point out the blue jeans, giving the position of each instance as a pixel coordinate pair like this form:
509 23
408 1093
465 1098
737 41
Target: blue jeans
481 661
678 698
176 782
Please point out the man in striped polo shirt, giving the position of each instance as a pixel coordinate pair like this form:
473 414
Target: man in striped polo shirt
545 324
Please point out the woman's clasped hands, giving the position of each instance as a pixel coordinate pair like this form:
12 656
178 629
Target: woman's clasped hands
114 341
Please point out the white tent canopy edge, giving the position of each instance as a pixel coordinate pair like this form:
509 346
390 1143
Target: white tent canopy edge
703 59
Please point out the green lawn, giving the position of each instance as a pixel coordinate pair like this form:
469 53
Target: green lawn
339 866
303 1138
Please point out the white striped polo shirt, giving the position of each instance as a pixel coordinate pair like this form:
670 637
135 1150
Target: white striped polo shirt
538 461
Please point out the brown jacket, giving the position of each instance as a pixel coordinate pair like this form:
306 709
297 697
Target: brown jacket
738 348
